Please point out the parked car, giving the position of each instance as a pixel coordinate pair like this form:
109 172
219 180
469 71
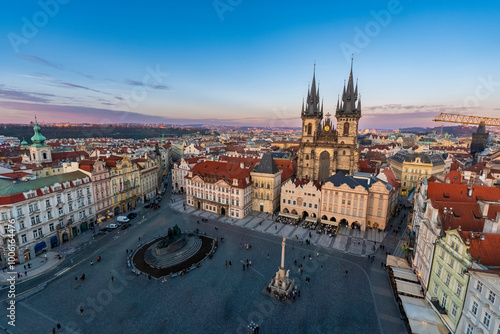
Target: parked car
122 219
156 207
125 226
132 215
147 206
112 226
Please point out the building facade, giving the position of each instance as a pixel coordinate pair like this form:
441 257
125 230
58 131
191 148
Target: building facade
148 171
220 187
410 168
324 150
301 199
45 212
358 201
125 184
481 313
267 185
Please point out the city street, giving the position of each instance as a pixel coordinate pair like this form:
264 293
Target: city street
340 297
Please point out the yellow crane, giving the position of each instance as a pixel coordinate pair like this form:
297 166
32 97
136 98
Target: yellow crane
466 119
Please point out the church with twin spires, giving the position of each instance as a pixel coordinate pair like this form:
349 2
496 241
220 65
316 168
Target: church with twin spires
325 150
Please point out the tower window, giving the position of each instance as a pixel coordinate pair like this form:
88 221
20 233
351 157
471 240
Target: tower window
346 129
309 128
343 152
44 156
307 156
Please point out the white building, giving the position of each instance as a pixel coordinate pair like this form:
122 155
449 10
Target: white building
220 187
180 171
481 313
45 212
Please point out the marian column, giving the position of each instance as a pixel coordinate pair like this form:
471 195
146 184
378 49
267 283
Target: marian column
283 253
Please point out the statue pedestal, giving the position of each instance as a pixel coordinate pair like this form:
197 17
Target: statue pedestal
281 286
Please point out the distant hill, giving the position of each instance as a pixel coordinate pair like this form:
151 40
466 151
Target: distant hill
457 131
109 131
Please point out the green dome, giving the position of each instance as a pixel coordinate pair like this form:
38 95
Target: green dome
38 139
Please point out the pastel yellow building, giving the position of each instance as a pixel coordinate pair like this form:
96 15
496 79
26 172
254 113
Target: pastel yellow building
409 168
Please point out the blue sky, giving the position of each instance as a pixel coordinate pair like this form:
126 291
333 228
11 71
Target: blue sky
246 62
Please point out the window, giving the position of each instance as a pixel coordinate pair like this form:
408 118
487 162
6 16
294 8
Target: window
451 263
51 227
448 278
459 289
470 329
284 201
479 286
443 300
47 203
453 310
4 215
435 290
49 214
474 308
19 211
491 297
486 319
439 271
61 211
23 238
442 254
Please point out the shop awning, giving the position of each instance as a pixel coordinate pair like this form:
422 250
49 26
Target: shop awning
329 222
396 262
40 246
422 318
288 215
410 289
311 219
53 240
404 274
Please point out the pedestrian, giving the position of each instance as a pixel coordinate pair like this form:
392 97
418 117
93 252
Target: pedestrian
226 263
81 309
295 262
58 326
304 257
250 262
91 263
149 277
243 267
275 227
268 255
24 267
139 239
321 267
112 278
347 272
298 293
126 250
25 273
53 330
382 264
229 263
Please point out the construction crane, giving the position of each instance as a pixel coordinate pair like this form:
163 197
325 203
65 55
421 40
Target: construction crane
466 119
480 137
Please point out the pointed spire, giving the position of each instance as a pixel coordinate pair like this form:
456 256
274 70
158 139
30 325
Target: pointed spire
359 104
303 104
338 97
322 100
356 90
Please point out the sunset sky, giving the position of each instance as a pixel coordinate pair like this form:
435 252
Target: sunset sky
246 62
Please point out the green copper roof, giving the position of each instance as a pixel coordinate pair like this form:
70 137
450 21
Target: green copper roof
24 143
38 139
10 188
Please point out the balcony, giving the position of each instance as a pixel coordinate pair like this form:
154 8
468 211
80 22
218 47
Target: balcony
438 307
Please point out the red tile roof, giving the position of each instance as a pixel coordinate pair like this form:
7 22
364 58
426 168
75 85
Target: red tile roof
213 171
458 192
486 252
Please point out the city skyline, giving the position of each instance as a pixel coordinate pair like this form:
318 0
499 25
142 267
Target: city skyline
246 63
